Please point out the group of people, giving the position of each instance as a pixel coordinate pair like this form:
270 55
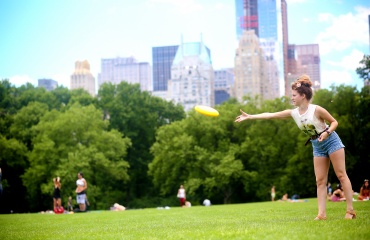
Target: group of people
338 194
80 192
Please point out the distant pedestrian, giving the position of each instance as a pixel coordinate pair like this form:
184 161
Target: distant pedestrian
70 204
57 198
329 189
181 194
81 191
273 194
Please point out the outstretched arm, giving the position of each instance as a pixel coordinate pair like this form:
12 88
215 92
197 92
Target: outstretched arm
276 115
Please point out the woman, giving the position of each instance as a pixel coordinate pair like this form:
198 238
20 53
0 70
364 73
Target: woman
364 191
181 194
57 200
81 191
273 193
327 146
337 196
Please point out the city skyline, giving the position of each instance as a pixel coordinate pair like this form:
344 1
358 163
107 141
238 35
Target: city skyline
44 39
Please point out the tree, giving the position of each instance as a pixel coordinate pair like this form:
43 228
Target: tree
25 119
13 162
138 115
72 141
199 153
364 70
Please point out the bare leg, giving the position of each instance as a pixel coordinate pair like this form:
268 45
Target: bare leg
321 166
82 207
54 202
59 202
339 165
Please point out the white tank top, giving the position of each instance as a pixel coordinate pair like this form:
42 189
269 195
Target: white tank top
80 182
181 193
308 122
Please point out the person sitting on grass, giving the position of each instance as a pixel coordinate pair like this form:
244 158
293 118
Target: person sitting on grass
364 191
337 196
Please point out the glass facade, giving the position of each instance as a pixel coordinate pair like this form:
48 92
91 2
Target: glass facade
246 16
162 61
193 49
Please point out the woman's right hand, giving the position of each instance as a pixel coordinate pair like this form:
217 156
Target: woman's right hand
242 117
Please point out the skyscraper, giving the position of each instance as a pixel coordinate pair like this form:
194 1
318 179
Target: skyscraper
284 15
224 81
48 84
246 16
304 59
116 70
265 18
82 77
192 76
250 67
162 61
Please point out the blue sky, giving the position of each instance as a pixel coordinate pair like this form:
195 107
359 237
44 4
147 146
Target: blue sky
44 38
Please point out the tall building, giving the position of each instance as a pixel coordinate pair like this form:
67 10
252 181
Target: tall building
48 84
284 15
224 81
250 69
246 16
265 18
192 76
162 61
116 70
367 82
304 59
82 77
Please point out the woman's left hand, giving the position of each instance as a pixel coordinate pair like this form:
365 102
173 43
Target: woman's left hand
323 136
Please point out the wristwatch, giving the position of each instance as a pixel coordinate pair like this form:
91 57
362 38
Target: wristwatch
328 132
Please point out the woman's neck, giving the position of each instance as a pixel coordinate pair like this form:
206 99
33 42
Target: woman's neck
303 107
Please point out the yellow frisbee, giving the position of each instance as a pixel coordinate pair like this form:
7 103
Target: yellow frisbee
205 110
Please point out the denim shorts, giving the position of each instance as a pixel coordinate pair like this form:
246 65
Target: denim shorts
328 146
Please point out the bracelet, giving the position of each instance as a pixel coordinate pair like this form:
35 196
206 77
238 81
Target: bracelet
328 132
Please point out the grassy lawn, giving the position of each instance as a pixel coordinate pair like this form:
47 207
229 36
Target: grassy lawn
267 220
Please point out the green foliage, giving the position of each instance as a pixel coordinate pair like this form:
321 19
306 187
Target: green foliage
138 115
73 141
136 149
364 70
13 163
198 152
25 119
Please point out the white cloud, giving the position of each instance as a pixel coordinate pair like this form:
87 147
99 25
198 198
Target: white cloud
62 79
20 80
345 31
326 17
331 77
350 62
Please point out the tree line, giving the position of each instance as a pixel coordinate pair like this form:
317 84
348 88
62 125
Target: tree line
136 149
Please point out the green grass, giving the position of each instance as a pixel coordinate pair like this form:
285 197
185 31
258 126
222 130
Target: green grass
267 220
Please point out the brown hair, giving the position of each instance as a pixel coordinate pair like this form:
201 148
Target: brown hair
303 85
